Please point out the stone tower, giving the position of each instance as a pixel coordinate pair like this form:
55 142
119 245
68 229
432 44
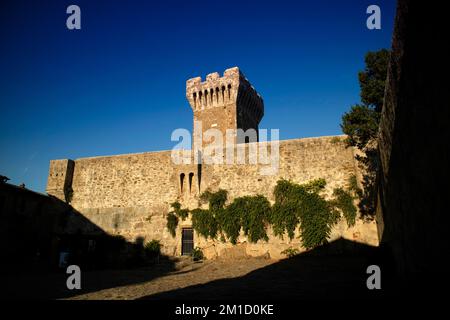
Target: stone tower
228 102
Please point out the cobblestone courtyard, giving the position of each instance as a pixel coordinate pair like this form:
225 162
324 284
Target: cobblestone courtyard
187 273
301 277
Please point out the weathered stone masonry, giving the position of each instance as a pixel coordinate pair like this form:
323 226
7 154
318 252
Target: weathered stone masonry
131 194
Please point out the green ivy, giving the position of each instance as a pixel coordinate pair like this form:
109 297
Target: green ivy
302 204
197 254
173 217
229 220
180 213
153 248
353 184
216 200
205 223
255 218
284 215
290 252
248 213
343 200
316 219
283 219
296 205
315 185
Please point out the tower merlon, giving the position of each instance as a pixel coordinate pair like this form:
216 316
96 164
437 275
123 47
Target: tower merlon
227 102
218 91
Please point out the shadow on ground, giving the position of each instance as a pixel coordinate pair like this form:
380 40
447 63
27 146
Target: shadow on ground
334 271
53 285
35 229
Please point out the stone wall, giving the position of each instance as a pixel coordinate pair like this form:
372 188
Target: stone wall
60 178
131 194
413 145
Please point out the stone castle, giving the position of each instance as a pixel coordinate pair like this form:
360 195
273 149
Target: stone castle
131 194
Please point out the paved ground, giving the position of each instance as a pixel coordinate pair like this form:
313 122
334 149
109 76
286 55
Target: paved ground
306 276
126 283
187 274
302 277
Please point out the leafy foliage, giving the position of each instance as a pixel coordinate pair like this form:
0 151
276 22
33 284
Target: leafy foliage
172 223
152 248
361 123
205 223
255 213
230 220
248 213
197 254
316 217
353 184
372 79
173 217
216 200
290 252
180 213
284 215
344 202
296 205
315 185
302 204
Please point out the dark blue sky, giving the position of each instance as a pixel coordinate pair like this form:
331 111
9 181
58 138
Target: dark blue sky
118 84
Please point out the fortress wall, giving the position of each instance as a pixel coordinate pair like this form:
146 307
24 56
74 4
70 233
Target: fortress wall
301 160
127 194
130 194
414 170
132 180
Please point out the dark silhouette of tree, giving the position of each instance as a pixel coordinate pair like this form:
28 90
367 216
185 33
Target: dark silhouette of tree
361 123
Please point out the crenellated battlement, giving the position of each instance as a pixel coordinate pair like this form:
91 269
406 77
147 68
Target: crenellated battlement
218 91
242 106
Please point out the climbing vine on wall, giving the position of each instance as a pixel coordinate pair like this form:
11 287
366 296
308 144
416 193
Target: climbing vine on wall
172 223
299 206
216 200
302 205
343 201
205 223
251 213
173 217
230 221
180 213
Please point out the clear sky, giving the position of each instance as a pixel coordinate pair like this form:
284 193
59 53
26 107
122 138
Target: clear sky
118 85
